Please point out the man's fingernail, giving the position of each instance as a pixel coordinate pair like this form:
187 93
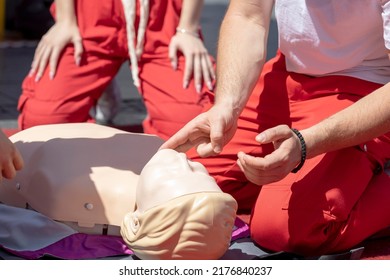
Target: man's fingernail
260 137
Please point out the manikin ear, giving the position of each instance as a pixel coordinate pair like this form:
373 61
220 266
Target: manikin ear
134 222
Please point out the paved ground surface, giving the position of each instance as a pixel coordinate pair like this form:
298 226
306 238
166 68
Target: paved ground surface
16 57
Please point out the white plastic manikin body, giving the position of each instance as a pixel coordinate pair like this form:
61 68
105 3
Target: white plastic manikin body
81 174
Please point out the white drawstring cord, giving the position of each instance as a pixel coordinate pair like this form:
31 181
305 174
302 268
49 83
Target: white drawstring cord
135 51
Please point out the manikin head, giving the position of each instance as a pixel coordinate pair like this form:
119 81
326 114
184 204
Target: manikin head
181 213
89 176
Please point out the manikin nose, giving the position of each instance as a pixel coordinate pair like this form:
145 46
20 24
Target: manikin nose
184 160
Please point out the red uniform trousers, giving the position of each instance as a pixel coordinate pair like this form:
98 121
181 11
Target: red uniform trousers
74 90
337 199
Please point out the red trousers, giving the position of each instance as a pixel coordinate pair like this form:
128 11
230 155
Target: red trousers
337 199
74 90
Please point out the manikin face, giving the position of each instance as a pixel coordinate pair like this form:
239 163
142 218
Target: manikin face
168 175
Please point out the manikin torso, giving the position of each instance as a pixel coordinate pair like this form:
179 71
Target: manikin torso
88 176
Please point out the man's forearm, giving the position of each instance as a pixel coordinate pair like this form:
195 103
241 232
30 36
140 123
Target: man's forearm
241 51
366 119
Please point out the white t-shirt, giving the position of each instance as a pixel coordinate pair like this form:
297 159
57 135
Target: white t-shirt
336 37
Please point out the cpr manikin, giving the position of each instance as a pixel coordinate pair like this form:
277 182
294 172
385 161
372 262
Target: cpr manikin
89 177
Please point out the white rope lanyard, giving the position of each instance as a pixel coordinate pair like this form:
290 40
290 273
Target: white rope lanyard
135 46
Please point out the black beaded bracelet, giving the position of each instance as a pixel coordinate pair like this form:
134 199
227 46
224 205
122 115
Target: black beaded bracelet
303 150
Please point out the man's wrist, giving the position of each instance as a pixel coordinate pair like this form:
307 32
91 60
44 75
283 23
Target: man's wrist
303 150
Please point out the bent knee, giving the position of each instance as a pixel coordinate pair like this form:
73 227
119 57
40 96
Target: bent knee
33 112
307 238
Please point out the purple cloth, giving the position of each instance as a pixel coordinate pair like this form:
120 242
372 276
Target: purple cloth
241 229
86 246
79 246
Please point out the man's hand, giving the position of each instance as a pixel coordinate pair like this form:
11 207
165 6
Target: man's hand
275 166
209 132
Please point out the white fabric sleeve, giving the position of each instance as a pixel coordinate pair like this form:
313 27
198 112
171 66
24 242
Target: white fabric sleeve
386 22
